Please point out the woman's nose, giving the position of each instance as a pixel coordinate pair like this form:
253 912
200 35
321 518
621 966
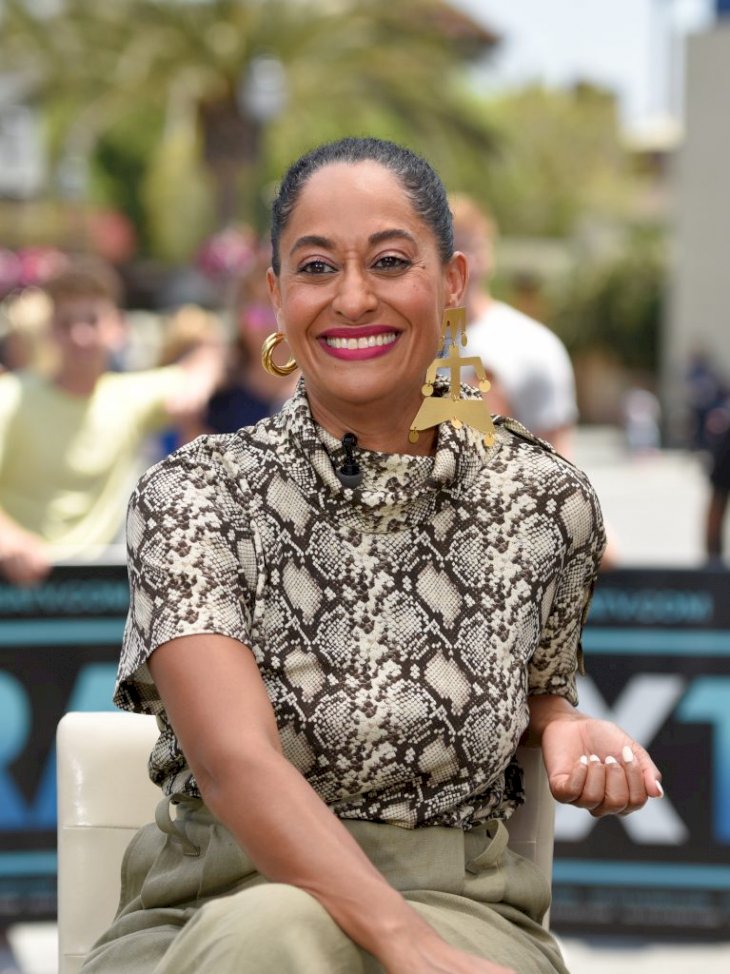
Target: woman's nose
355 295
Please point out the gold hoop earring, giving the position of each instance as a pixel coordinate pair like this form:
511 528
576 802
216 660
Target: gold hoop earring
267 351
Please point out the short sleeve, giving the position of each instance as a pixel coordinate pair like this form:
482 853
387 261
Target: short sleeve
191 565
559 656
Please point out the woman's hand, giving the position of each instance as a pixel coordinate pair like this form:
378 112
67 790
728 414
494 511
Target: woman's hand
595 765
427 953
591 763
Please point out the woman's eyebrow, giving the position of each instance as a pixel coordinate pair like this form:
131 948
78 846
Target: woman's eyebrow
395 234
312 240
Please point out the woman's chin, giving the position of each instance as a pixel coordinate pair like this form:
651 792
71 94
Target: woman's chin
373 399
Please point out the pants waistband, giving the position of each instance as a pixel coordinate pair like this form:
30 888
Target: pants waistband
405 856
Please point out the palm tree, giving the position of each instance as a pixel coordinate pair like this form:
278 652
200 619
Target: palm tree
345 66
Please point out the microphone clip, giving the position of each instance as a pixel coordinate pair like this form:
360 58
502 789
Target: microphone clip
349 474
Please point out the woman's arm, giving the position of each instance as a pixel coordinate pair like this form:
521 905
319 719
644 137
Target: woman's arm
218 706
591 763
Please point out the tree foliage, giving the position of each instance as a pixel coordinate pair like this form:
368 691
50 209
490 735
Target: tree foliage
615 305
119 79
558 158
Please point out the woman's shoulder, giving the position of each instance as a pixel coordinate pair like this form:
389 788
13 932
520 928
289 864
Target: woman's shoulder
557 486
213 462
527 456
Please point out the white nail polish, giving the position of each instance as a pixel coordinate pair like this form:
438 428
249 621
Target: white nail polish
595 759
584 759
661 790
627 754
611 759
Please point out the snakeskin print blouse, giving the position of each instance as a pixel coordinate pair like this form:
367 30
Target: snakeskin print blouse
398 627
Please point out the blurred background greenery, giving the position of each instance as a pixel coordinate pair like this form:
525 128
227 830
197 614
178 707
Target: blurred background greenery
166 122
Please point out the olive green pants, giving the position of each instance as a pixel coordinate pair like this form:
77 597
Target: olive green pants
193 903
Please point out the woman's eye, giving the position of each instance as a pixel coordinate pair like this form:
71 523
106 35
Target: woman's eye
390 262
315 267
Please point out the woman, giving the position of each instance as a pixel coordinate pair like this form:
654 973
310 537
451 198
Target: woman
345 628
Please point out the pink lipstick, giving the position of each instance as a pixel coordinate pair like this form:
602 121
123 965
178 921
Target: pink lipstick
358 344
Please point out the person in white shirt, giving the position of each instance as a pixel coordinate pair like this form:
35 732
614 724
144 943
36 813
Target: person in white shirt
527 364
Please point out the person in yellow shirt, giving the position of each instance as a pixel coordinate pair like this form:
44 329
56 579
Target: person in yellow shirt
69 442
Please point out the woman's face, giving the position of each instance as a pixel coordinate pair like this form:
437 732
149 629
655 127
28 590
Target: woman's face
361 292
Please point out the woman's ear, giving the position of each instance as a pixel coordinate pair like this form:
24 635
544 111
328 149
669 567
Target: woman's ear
457 277
272 282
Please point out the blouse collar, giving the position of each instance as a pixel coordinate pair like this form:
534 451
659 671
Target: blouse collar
398 490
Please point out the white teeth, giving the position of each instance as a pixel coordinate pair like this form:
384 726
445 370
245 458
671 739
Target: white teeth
370 342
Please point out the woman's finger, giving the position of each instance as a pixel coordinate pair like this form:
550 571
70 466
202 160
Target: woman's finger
594 789
651 774
566 788
638 793
616 796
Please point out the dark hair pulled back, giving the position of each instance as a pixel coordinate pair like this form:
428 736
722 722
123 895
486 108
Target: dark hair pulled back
423 186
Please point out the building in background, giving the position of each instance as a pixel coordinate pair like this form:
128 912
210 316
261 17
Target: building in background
698 319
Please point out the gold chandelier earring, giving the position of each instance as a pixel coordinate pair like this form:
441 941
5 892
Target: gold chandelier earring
267 359
452 407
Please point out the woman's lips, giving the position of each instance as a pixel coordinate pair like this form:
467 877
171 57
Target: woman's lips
358 344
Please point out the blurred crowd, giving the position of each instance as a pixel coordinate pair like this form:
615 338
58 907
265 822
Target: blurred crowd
92 391
91 394
708 396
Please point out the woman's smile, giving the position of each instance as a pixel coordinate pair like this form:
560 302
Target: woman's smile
358 344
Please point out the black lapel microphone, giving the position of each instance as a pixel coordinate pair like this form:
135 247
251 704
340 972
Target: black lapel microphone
349 474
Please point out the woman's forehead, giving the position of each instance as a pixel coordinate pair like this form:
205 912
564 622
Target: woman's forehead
364 196
350 180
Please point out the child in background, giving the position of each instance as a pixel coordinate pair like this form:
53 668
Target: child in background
70 441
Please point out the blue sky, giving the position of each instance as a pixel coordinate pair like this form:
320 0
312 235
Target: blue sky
633 47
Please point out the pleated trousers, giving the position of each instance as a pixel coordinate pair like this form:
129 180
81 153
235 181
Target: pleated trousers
192 902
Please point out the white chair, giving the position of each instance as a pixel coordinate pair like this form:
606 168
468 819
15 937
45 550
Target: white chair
104 796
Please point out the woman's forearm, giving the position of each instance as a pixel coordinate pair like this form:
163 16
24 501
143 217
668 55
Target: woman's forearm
217 703
292 837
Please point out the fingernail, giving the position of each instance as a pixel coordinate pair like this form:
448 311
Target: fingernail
627 754
595 759
659 786
584 759
611 759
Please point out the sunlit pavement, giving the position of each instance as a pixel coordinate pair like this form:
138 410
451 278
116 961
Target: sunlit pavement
607 956
654 508
29 948
653 503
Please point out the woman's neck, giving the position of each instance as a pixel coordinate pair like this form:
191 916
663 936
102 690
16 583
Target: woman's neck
372 432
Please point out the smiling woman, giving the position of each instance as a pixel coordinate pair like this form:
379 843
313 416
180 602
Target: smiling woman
344 656
360 288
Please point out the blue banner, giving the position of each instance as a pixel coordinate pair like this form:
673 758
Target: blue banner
59 646
658 664
657 649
